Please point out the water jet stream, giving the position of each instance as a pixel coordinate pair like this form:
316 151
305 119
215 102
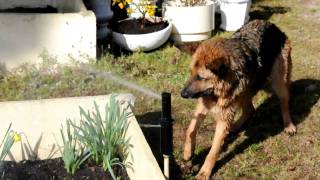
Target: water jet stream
117 79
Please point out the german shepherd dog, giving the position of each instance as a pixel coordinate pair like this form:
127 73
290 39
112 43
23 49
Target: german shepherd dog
227 73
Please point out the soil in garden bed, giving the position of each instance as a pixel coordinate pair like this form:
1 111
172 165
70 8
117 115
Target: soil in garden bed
48 9
54 169
138 26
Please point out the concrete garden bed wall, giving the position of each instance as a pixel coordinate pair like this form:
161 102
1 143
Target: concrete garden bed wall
71 32
40 119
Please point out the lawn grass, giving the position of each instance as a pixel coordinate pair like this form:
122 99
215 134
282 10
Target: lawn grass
261 151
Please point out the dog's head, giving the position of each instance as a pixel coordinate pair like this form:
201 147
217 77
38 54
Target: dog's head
209 69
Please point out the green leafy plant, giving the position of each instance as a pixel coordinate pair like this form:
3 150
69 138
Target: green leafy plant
7 142
73 153
104 137
146 10
145 7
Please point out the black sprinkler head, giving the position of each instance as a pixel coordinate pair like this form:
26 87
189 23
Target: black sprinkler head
166 124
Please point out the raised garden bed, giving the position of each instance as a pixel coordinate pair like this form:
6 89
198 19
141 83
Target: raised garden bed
64 29
39 120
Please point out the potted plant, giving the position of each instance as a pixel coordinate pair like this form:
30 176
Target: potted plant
192 20
144 33
234 13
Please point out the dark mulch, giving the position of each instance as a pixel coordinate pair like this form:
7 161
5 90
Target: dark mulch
138 26
54 169
48 9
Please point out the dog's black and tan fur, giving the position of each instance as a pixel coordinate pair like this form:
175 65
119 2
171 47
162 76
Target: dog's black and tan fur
227 73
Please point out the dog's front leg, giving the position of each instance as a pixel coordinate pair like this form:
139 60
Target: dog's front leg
199 115
222 130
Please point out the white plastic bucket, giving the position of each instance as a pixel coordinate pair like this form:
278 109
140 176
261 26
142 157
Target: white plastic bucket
234 14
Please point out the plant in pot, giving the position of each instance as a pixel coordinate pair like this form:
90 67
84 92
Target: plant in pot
144 33
192 20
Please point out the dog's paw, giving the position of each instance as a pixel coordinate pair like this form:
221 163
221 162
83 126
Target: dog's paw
203 176
187 153
290 129
188 150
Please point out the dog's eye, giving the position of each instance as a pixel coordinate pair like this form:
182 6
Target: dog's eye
222 71
198 78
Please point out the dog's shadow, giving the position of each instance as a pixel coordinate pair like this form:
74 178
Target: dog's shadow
267 120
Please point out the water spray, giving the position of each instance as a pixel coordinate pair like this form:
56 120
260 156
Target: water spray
119 80
166 132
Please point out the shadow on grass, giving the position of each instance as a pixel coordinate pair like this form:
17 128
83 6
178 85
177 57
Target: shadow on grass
265 12
267 120
149 123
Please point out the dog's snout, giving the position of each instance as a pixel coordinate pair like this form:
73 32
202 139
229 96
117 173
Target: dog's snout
185 93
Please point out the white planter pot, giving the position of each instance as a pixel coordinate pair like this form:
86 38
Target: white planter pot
190 23
234 14
144 42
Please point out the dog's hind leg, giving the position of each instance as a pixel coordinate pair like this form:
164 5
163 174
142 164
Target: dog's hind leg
283 94
280 79
222 130
190 143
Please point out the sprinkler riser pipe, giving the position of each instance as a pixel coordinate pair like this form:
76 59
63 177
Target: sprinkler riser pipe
166 125
166 106
166 137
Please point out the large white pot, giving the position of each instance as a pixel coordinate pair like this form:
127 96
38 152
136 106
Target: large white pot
143 42
193 23
234 14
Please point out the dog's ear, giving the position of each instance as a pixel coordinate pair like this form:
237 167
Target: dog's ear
217 68
188 48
